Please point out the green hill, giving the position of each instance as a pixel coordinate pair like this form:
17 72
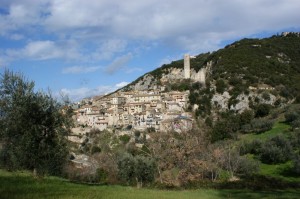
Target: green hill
274 61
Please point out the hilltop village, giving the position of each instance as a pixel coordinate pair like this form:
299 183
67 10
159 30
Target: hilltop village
154 109
161 111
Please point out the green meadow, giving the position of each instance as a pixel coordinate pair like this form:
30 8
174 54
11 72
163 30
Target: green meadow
23 185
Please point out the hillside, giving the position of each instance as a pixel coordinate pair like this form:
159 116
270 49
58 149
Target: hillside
240 76
238 126
274 61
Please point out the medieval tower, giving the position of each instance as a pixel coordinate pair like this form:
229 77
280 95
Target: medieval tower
187 67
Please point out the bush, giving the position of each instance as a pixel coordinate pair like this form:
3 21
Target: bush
246 117
235 81
277 150
258 126
144 169
295 124
95 149
248 166
101 175
221 131
253 147
296 165
220 86
295 139
124 138
126 165
291 116
140 169
262 110
266 96
297 99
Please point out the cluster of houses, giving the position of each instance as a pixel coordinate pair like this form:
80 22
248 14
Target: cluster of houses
140 110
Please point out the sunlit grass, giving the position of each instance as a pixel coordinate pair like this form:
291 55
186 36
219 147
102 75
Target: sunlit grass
23 185
279 127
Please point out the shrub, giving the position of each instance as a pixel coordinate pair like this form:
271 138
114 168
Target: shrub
221 131
276 150
196 86
144 169
126 165
258 126
295 139
295 124
253 147
137 133
266 96
296 165
246 117
101 175
235 81
272 154
290 116
262 110
140 169
248 166
95 149
220 86
124 138
297 99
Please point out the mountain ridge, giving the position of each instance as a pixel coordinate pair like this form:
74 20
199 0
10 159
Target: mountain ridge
224 57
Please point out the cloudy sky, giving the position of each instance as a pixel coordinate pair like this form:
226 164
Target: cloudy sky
91 47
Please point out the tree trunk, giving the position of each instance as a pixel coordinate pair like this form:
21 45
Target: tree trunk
35 175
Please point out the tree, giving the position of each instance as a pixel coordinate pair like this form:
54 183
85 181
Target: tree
144 170
139 168
33 127
126 167
263 110
220 86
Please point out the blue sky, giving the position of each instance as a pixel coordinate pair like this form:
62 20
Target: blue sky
90 47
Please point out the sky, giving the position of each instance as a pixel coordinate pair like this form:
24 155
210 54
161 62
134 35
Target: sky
83 48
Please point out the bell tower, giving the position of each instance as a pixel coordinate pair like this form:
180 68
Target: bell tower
187 67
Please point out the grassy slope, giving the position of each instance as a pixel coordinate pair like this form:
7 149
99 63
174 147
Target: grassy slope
279 127
22 185
278 170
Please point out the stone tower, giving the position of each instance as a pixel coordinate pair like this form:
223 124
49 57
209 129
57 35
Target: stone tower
187 67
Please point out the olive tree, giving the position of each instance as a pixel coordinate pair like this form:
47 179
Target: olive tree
33 127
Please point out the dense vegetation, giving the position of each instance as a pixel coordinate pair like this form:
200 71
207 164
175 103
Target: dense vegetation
238 151
274 61
33 128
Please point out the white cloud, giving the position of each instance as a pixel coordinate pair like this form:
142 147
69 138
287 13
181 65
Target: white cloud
132 70
108 49
79 93
43 50
80 69
182 22
121 84
83 92
118 64
112 26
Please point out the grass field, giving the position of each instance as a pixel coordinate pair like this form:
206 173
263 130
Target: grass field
279 127
23 185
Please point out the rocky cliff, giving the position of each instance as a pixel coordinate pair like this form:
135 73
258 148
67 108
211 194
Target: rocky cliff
238 77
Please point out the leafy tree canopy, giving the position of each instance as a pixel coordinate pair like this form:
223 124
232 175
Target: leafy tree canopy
33 127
